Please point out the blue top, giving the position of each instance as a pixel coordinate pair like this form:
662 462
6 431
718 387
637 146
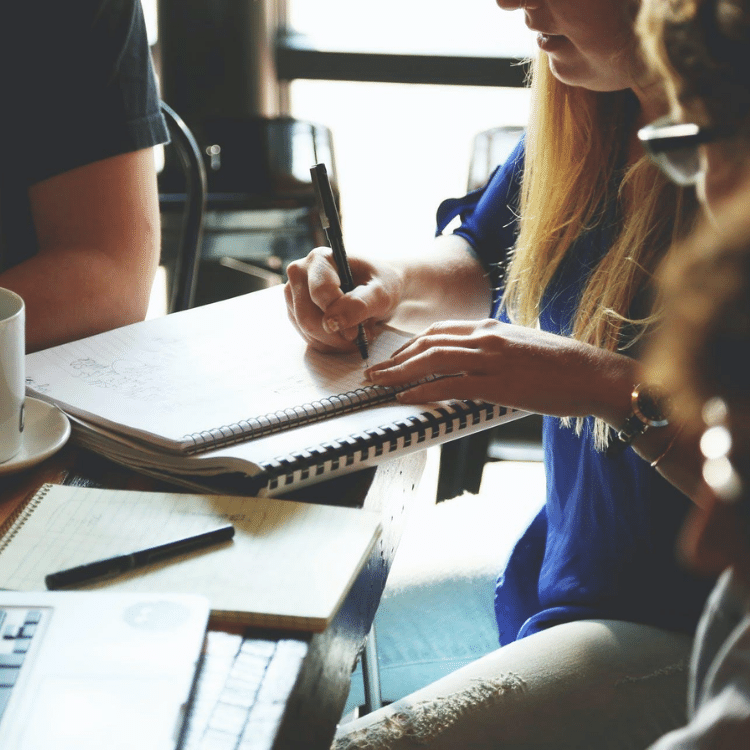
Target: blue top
77 87
603 546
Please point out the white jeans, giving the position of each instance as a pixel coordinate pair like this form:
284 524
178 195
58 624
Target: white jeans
589 685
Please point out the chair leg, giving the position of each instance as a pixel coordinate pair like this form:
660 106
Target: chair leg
371 674
461 465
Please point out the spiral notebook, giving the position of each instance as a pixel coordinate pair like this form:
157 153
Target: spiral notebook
229 397
289 565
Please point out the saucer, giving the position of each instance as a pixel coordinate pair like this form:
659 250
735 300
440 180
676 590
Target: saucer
46 430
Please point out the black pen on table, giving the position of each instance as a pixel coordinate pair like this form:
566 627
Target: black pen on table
329 218
113 566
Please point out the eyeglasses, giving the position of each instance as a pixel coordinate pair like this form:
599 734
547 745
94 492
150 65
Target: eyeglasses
674 147
719 473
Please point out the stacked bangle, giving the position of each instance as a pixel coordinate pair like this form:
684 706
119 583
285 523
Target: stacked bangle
669 447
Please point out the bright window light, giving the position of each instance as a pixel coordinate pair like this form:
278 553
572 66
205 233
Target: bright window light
438 26
401 149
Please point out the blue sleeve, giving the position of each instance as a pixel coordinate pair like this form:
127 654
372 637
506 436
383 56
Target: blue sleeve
489 217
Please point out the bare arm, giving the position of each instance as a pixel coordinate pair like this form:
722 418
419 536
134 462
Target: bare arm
443 281
99 238
535 371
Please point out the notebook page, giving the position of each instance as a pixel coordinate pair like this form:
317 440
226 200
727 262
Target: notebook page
290 564
195 371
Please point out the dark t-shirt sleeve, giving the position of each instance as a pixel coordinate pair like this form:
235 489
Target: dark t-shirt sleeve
78 87
89 91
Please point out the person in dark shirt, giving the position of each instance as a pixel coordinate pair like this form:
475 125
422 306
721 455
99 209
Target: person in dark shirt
79 216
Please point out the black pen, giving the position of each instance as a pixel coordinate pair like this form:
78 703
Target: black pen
329 218
114 566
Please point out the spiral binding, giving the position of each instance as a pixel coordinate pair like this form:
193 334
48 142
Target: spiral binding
284 419
22 514
372 443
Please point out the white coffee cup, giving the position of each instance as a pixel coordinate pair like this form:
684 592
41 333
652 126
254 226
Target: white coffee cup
12 373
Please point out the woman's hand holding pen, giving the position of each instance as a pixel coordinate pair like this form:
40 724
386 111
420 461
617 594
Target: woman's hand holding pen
326 317
515 366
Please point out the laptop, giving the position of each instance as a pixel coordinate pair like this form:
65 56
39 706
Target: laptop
85 670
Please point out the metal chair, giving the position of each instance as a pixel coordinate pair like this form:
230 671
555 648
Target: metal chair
490 148
184 265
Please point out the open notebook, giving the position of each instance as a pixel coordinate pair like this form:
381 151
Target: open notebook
289 565
229 397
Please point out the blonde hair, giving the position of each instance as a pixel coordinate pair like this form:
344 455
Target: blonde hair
573 150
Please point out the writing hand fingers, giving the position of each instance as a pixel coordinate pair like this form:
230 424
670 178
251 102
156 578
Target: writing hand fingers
313 341
303 298
323 313
373 299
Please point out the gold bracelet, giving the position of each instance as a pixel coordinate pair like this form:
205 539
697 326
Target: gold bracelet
669 447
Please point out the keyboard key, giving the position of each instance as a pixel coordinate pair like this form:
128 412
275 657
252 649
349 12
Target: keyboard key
8 677
33 617
11 632
27 631
11 660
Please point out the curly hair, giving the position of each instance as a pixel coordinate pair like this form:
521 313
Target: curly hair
702 348
703 48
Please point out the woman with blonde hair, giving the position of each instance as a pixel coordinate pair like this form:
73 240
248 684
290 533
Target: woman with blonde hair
544 293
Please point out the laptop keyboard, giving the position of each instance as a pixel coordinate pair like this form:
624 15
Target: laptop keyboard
18 626
241 691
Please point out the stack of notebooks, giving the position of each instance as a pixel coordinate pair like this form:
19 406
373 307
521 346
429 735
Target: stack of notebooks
228 398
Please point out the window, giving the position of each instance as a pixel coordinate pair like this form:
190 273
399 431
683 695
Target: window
402 148
424 26
149 13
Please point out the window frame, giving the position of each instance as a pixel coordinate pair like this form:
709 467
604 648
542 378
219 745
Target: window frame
297 57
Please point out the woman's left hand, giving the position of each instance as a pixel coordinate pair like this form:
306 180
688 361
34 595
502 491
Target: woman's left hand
515 366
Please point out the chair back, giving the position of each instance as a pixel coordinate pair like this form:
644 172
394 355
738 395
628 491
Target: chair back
490 149
183 276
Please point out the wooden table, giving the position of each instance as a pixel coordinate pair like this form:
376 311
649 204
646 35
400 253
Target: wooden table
315 688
